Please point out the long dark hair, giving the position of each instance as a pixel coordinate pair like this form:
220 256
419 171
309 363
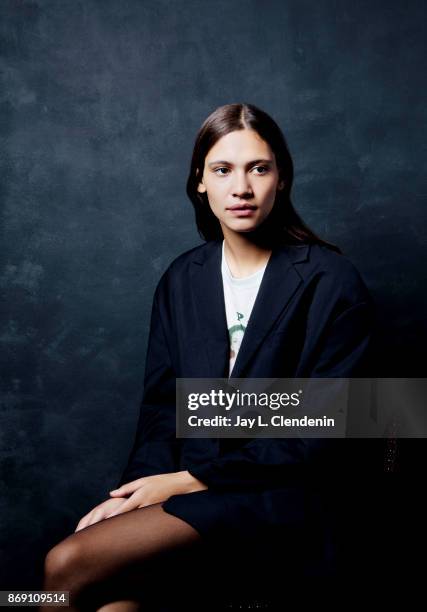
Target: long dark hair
283 225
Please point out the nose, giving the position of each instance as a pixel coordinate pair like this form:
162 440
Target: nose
241 185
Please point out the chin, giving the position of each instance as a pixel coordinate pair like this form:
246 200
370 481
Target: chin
243 230
244 225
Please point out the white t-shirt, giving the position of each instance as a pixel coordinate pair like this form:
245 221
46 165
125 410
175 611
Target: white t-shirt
239 294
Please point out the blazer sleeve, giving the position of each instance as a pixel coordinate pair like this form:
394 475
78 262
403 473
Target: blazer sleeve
155 448
342 352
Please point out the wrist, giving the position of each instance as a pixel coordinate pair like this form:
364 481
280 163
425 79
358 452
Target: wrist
190 483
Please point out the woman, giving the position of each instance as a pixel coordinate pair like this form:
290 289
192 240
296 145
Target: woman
262 297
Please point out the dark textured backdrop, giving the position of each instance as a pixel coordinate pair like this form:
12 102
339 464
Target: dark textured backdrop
100 103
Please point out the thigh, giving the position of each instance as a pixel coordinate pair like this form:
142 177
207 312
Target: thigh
132 538
118 555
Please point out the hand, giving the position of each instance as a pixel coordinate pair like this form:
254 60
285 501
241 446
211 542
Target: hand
99 513
154 489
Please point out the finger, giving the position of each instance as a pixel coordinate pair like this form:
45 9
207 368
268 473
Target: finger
82 523
122 491
127 488
127 505
96 517
93 517
84 520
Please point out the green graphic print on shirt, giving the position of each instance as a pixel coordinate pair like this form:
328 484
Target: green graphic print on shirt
236 334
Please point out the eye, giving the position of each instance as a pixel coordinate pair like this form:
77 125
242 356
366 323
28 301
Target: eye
220 173
261 168
264 170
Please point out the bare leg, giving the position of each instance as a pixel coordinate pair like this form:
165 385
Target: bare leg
114 560
121 606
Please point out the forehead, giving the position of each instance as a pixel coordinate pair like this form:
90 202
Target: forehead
240 145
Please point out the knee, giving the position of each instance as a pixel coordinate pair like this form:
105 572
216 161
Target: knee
62 563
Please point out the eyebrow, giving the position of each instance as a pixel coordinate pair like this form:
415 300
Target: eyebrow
254 161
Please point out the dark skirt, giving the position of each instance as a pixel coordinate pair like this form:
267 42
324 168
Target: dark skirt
290 524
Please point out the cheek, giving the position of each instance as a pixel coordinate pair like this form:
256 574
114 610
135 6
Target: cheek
269 192
214 206
216 199
268 197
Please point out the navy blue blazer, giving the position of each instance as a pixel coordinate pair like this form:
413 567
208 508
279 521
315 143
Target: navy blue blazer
313 317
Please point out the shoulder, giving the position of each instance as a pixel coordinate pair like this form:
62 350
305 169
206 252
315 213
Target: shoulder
179 267
197 253
324 259
334 274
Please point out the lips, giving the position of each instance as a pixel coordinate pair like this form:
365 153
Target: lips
242 207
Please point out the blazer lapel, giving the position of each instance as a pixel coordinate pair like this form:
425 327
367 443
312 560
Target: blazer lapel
208 293
279 283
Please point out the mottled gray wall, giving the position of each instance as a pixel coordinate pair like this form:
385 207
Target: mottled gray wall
100 102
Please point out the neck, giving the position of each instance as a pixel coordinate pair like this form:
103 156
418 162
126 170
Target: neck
244 257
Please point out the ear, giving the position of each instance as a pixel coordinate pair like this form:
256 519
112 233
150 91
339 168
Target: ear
201 187
280 185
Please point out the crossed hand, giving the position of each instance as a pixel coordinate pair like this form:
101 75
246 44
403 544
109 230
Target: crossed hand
140 493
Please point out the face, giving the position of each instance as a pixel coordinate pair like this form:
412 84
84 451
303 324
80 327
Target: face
240 178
